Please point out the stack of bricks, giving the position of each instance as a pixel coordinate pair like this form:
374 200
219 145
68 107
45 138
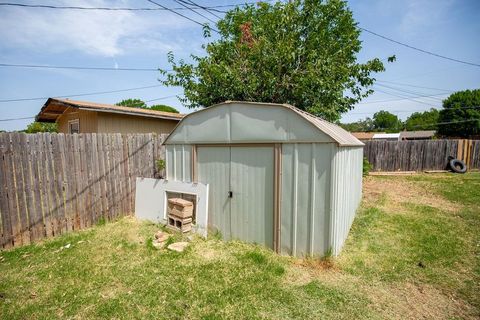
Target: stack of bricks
180 213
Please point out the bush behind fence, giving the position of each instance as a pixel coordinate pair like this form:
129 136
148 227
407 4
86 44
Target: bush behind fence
55 183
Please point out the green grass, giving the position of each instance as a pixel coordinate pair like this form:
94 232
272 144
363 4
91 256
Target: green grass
418 243
113 271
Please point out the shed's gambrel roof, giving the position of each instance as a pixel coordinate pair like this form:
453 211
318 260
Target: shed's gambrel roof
337 133
326 130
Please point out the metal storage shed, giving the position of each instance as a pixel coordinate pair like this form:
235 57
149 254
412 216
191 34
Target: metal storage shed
278 176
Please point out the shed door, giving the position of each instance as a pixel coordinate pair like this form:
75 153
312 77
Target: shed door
214 169
246 172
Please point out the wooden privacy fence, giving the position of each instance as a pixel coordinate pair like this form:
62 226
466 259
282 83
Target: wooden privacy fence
419 155
54 183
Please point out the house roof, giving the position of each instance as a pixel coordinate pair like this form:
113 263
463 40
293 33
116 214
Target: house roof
417 134
260 117
364 135
54 108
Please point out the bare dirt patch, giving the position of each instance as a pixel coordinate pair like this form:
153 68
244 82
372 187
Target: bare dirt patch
400 191
411 301
209 251
392 301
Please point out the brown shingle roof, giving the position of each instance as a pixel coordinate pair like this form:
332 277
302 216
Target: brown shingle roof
421 134
364 135
54 107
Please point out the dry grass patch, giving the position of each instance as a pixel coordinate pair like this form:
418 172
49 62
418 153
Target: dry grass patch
392 193
411 301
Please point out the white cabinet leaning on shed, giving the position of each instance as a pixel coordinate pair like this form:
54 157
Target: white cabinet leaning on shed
151 200
278 176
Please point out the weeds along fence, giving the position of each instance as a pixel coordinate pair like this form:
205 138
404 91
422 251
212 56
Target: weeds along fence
420 155
51 184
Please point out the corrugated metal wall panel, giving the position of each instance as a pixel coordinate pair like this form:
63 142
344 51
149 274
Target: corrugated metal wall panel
179 162
305 198
346 193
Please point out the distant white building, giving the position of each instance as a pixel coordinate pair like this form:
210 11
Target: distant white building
387 136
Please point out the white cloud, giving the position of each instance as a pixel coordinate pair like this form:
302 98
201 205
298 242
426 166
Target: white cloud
100 33
421 15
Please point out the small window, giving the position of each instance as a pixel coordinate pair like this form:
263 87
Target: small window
74 126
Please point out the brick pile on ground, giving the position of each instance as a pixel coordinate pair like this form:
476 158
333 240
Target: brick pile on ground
160 239
180 212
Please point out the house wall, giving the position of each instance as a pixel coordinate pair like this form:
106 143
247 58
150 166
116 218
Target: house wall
345 194
121 123
87 120
305 197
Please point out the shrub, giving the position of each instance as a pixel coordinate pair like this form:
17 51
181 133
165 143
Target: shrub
367 166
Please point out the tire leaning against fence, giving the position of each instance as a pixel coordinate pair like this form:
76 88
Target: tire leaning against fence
458 166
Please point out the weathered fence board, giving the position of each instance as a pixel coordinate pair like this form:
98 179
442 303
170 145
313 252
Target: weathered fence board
421 155
51 184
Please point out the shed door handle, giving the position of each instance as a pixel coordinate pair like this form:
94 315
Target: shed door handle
230 194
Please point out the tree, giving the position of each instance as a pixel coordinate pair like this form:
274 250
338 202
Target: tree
460 116
165 108
426 120
359 126
386 121
35 127
137 103
303 52
132 103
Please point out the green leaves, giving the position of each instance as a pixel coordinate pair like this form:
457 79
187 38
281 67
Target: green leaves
302 52
461 114
426 120
132 103
35 127
386 121
137 103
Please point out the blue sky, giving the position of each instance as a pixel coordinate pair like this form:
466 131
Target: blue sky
142 40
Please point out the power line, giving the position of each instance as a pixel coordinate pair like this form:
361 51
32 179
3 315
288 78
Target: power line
207 9
444 123
74 67
181 15
414 86
391 100
161 98
194 11
418 49
14 119
414 94
40 6
82 94
412 111
404 97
